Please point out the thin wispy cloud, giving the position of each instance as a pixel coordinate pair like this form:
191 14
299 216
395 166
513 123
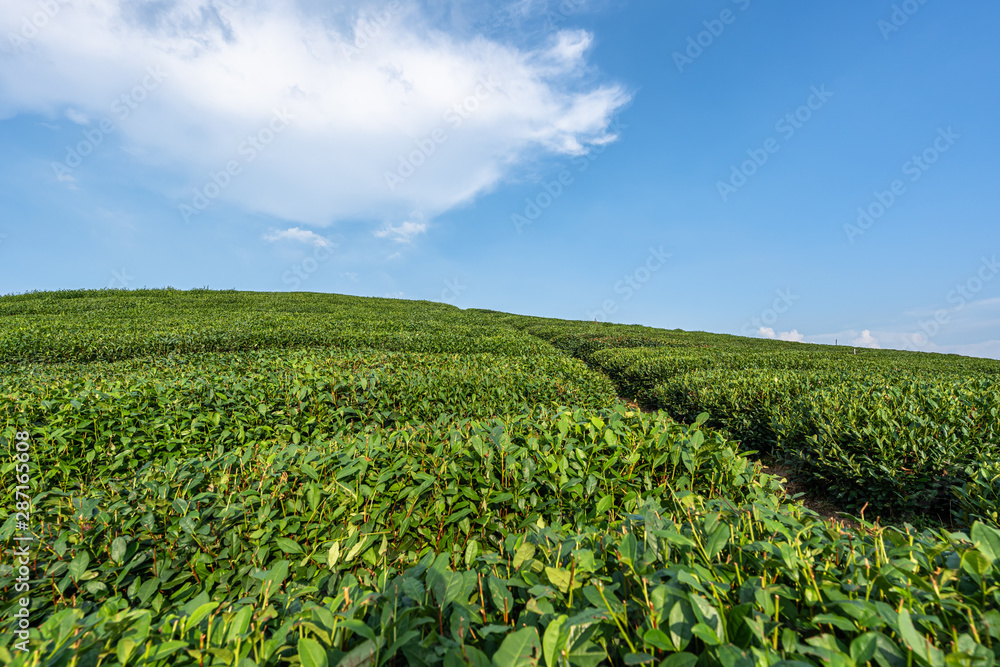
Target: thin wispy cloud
403 233
77 117
299 236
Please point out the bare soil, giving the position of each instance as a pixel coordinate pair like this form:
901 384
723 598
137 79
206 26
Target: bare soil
826 510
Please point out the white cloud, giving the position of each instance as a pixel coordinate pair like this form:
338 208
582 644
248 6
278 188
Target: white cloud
769 332
866 340
986 303
77 117
225 69
299 235
893 340
403 233
568 47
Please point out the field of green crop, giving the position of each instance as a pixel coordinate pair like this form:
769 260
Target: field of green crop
239 479
907 435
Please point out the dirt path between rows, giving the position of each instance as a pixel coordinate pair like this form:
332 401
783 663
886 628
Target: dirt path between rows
826 510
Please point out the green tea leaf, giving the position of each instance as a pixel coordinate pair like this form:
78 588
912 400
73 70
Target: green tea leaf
311 654
517 649
554 640
524 553
79 564
118 548
288 546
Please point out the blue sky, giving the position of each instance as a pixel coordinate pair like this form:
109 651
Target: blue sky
821 171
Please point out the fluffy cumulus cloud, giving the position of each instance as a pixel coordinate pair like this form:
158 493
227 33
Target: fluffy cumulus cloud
310 114
793 335
866 339
863 338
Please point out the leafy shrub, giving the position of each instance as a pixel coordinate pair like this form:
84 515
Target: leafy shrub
978 498
895 443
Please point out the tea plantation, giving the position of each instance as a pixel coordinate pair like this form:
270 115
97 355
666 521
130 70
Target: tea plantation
239 479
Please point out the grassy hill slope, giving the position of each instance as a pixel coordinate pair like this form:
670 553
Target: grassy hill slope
247 479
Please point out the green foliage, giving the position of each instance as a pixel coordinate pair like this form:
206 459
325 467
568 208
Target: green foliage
222 478
892 442
978 499
217 526
231 397
899 431
112 325
679 579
